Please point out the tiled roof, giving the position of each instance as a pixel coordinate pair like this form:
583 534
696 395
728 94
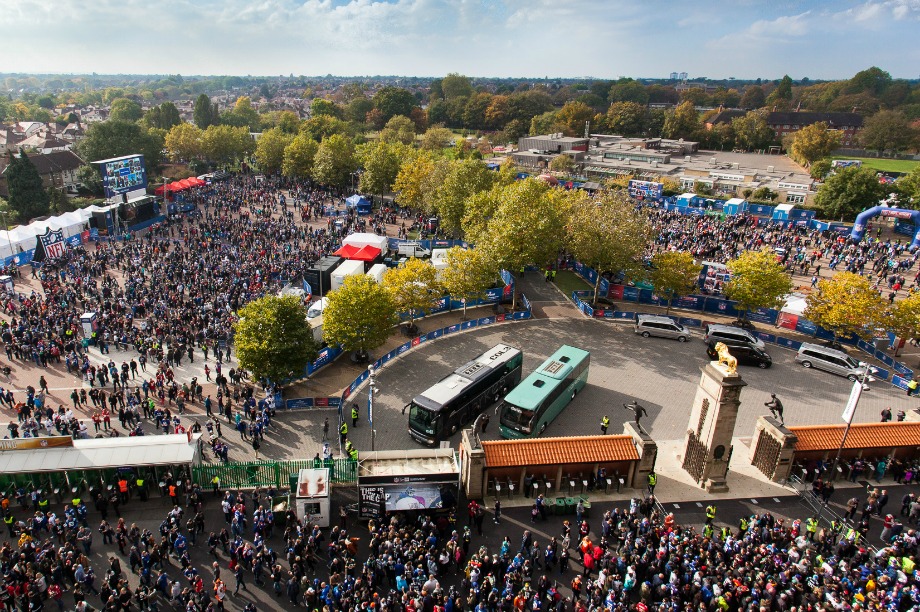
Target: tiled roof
862 435
807 118
549 451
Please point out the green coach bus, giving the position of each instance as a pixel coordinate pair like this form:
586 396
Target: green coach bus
533 404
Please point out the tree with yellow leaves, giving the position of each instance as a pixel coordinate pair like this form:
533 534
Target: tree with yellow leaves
846 304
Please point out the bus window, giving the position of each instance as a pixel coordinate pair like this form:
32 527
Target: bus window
515 417
423 419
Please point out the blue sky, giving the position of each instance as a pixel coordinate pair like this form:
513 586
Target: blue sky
533 38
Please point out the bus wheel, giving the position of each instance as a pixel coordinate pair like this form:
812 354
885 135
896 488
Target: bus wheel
542 428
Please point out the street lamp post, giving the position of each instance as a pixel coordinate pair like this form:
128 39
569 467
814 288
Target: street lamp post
371 389
850 410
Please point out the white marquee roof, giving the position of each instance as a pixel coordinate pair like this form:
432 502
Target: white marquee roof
102 453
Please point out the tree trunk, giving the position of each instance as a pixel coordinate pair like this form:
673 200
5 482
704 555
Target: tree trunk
667 310
597 289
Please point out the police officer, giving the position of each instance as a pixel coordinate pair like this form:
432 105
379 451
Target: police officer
141 488
343 432
605 423
743 525
215 484
354 415
710 514
8 519
652 481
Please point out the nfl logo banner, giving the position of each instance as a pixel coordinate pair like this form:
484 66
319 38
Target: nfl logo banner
50 245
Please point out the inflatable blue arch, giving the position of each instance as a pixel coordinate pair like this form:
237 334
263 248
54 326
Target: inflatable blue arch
859 228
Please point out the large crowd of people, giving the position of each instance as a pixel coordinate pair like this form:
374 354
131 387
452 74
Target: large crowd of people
171 295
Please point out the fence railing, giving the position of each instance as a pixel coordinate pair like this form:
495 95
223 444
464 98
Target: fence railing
894 372
277 474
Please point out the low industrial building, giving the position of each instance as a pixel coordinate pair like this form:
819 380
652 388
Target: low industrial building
654 159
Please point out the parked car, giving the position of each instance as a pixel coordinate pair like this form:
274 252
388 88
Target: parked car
718 332
663 327
830 360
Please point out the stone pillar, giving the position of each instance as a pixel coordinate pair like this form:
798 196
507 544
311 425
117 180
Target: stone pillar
648 454
708 448
472 466
773 449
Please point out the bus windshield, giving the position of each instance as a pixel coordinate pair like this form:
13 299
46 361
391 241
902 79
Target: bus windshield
515 417
422 419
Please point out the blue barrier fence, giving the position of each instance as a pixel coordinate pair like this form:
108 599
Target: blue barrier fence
438 333
727 308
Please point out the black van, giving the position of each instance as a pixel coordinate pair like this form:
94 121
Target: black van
745 353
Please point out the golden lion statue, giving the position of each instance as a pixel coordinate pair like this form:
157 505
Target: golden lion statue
726 358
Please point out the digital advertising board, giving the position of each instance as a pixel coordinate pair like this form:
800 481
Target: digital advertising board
122 174
646 190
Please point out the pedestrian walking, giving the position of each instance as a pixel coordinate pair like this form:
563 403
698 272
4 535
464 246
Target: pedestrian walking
326 429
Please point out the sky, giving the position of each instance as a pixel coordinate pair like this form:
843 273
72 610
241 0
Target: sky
819 39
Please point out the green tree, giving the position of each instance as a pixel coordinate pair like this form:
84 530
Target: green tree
757 281
163 116
272 338
820 169
28 197
752 132
225 144
359 315
848 191
392 101
436 138
414 287
468 274
909 186
464 178
607 233
299 156
628 90
89 178
753 97
358 109
812 142
109 139
184 141
888 130
544 123
399 129
627 118
204 113
124 109
319 128
783 91
573 116
270 150
381 162
527 227
562 163
320 107
334 161
846 304
243 115
674 274
456 86
682 122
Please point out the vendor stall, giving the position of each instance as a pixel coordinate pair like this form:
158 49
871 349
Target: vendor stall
312 496
410 480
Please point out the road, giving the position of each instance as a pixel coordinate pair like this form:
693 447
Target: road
660 374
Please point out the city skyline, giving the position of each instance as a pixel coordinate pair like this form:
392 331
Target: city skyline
480 38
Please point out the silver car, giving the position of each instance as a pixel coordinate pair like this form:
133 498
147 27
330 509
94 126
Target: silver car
830 360
664 327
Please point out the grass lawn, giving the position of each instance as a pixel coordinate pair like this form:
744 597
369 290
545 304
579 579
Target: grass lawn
568 282
885 165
